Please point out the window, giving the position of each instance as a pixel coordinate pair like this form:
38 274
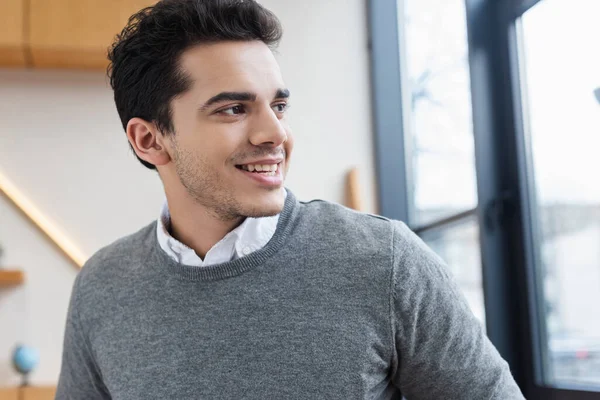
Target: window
440 130
487 120
560 73
438 133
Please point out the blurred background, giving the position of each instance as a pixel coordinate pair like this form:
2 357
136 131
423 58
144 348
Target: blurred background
476 122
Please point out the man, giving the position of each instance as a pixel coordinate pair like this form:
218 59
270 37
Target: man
238 290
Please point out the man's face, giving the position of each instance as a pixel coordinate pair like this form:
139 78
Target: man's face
232 144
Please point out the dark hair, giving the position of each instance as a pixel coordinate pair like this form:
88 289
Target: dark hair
144 67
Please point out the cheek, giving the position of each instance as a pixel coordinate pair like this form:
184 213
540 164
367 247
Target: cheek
214 143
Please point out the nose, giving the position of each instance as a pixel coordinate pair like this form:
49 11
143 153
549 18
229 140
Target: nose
267 129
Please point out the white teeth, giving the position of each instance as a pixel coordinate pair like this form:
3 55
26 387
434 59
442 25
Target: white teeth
267 169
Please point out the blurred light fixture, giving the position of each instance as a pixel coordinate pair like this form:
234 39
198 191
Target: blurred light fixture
597 93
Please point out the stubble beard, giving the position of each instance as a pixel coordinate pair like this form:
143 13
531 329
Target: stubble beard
205 186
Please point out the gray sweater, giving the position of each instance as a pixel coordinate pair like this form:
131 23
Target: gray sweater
338 305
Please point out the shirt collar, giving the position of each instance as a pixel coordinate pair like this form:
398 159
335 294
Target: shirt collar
251 235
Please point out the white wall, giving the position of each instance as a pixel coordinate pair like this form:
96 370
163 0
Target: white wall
62 144
325 63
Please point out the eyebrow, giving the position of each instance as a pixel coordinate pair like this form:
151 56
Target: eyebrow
282 94
240 96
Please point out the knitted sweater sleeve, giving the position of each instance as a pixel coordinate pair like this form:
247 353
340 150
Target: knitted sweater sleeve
442 350
80 377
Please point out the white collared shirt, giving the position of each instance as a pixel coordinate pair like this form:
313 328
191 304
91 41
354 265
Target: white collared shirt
253 234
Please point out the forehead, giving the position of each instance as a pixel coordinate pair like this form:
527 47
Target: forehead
232 66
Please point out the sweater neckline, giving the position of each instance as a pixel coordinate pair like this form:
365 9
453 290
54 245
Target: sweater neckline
235 267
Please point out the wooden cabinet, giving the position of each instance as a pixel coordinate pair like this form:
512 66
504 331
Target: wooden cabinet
12 33
62 33
77 33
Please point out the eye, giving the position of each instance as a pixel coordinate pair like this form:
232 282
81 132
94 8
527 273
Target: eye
235 110
281 107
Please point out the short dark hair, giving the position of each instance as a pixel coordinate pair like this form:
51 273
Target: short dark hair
144 66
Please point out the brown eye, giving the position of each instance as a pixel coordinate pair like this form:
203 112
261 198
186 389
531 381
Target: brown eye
281 107
235 110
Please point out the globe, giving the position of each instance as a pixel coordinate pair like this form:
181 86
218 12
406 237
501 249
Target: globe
25 359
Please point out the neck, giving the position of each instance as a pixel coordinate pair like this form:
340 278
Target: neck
195 226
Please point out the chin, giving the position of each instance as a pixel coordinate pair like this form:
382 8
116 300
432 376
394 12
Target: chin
266 205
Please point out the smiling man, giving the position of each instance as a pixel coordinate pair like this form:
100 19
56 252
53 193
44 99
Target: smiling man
238 290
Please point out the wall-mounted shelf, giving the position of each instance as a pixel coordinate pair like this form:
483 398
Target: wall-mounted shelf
11 277
28 393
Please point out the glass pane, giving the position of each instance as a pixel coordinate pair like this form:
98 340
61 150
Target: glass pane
458 246
440 137
561 63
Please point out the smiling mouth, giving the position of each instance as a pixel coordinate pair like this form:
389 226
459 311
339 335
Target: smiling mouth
263 169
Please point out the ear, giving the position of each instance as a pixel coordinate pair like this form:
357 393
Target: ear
147 141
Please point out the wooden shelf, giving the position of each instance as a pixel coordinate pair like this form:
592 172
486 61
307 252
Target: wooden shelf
28 393
11 277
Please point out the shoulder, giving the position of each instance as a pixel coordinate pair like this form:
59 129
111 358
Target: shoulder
340 226
338 223
119 258
412 251
325 211
418 271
